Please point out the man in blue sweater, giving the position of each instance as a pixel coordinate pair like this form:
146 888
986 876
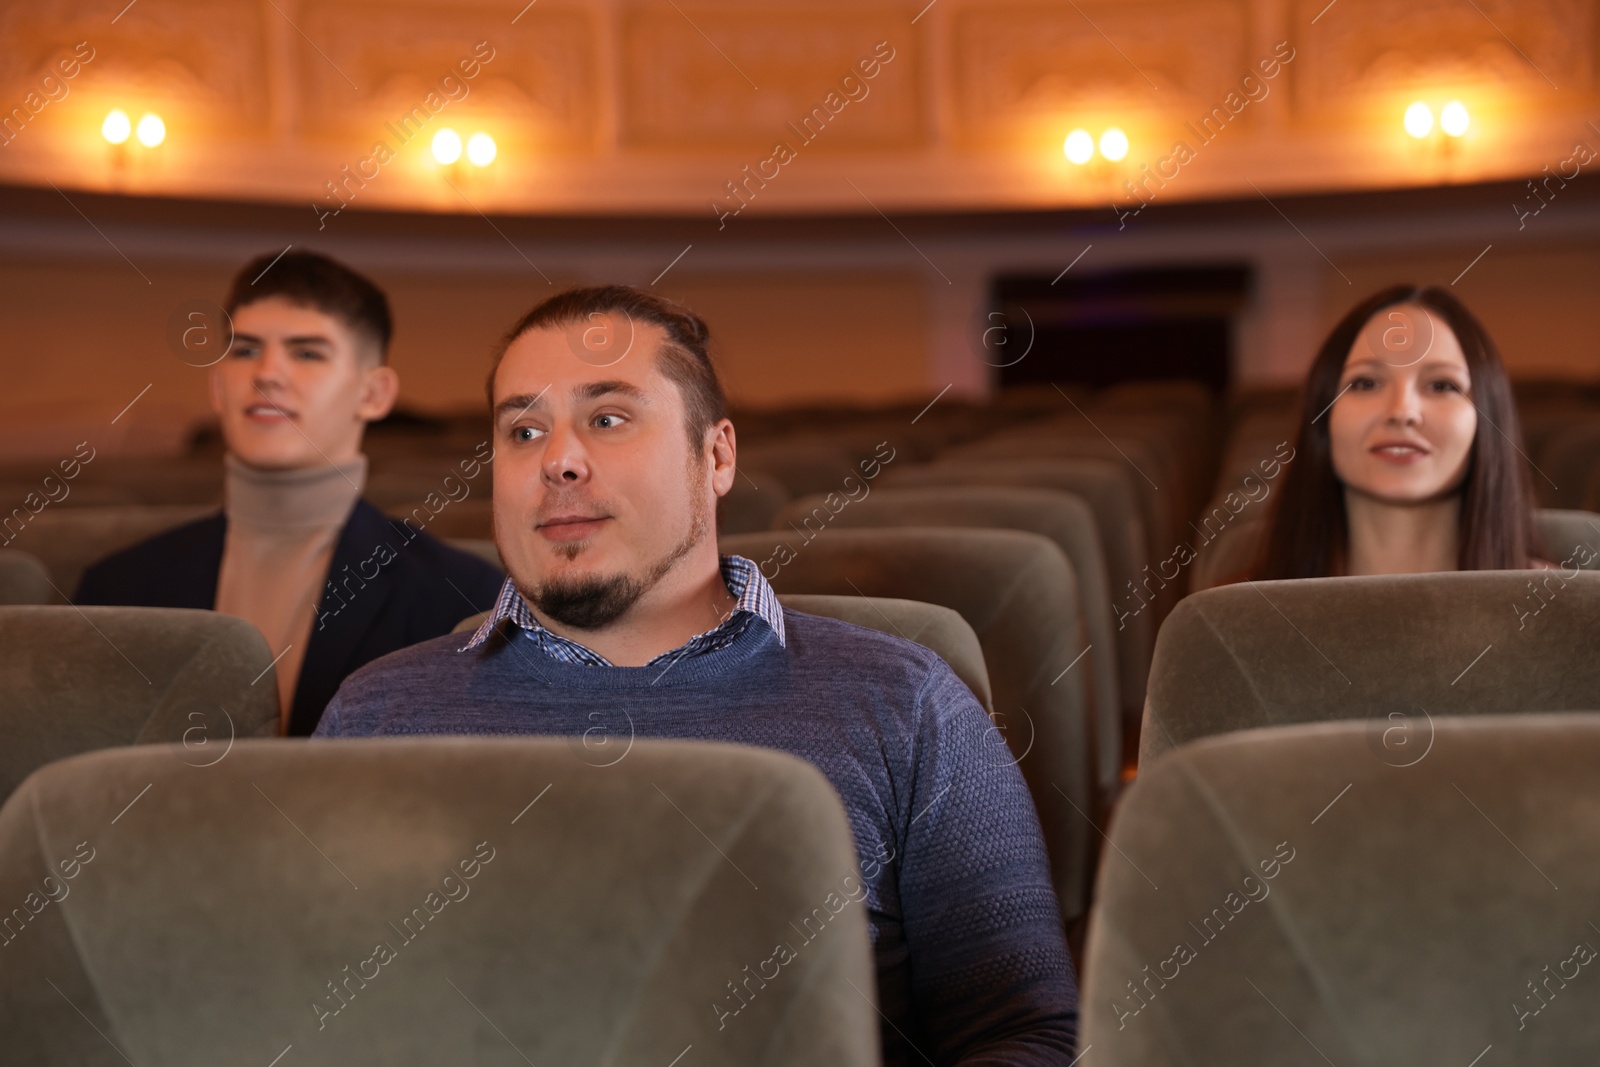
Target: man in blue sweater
612 446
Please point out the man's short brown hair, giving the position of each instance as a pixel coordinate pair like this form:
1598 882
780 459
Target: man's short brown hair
313 280
685 356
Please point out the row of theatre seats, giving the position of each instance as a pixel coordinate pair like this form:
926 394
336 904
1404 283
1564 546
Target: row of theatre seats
1362 752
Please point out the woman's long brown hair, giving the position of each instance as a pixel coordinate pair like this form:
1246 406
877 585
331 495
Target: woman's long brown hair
1308 535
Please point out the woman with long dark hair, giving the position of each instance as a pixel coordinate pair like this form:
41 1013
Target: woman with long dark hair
1409 454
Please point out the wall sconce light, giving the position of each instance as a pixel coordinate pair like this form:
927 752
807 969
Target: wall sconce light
116 128
1453 119
1418 120
1080 145
481 149
151 131
1114 145
447 146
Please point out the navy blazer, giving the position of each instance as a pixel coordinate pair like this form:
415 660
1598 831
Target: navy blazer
388 586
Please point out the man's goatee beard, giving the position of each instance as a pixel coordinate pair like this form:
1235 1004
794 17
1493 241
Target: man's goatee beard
592 603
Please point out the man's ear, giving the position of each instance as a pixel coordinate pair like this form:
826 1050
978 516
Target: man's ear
724 450
380 387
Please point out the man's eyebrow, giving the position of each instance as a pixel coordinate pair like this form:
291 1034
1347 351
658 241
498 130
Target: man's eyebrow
595 390
299 339
523 402
520 403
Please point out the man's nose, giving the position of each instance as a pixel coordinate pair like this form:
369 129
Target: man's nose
565 461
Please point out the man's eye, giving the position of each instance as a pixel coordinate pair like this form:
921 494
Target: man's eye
308 354
606 422
524 433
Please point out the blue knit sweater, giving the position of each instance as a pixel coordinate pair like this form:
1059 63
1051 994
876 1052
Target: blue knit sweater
972 963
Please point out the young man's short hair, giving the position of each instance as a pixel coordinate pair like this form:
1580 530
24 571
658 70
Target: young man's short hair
685 355
315 281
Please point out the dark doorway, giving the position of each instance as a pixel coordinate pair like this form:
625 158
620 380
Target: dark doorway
1133 325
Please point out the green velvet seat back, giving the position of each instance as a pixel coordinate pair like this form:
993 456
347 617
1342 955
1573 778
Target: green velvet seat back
434 901
1123 537
1401 648
1299 895
24 580
72 680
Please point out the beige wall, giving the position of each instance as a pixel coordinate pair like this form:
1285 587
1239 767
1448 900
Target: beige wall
852 310
1541 305
789 337
83 339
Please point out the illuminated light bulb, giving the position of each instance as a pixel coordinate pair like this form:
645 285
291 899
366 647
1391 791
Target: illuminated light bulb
1114 144
151 131
481 149
1453 119
1079 147
116 127
1419 120
447 146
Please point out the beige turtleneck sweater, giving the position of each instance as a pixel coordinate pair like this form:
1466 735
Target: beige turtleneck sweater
282 529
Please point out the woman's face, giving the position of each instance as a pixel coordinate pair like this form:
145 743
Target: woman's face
1403 423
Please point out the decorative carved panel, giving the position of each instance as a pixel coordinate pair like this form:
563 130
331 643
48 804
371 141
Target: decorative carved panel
540 85
1362 49
202 63
656 106
698 77
1017 66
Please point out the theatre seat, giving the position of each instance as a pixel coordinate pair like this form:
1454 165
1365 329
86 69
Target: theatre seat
1399 651
1122 537
23 579
937 628
1565 462
803 464
68 539
1571 538
73 679
755 498
1062 517
1138 461
421 902
1016 591
1285 896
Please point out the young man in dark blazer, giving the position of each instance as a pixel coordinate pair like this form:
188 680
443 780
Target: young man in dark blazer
329 580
